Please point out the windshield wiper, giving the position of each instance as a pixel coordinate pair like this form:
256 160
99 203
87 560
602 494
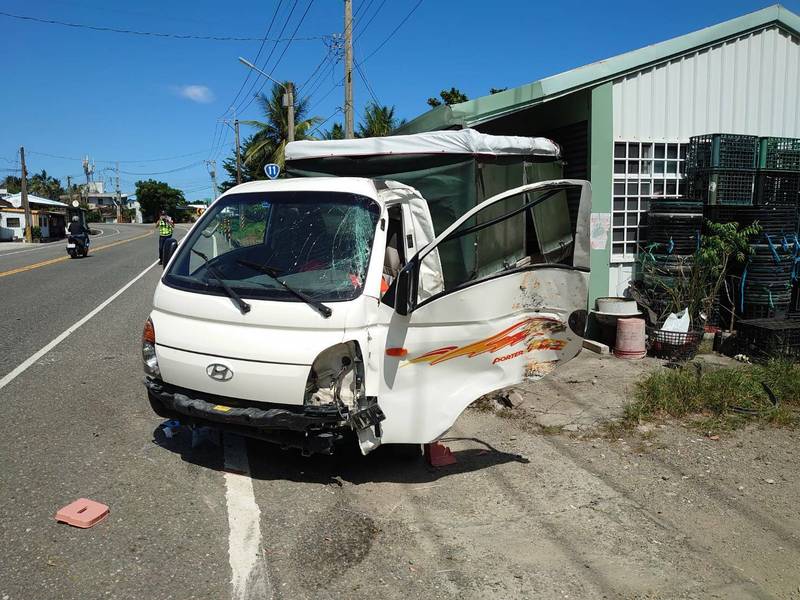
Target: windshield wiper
324 310
211 270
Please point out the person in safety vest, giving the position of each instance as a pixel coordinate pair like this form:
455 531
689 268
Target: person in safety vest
165 226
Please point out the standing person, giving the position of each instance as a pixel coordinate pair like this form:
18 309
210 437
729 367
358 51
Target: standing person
165 226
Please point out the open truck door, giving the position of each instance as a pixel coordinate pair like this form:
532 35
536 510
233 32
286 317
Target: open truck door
519 311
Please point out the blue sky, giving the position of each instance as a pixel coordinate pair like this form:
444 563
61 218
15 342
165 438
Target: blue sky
71 92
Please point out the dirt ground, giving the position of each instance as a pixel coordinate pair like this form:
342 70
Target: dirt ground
543 512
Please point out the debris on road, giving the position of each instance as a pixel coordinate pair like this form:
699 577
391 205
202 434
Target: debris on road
170 428
439 455
83 513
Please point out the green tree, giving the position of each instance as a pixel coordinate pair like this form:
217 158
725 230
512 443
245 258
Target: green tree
336 132
43 185
154 196
378 121
251 170
269 142
451 96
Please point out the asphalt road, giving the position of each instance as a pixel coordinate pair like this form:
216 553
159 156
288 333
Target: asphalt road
521 515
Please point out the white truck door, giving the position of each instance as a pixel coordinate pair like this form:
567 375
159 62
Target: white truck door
517 314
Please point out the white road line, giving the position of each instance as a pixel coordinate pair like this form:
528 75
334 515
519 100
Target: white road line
59 242
249 580
24 366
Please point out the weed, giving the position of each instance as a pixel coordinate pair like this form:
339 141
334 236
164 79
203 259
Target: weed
723 399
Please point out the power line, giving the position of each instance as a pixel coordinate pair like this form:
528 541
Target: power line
260 49
130 161
369 87
337 111
183 168
249 93
177 36
360 32
275 66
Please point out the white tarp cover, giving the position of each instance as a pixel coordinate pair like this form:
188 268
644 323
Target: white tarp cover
462 141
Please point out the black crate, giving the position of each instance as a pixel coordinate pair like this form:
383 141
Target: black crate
778 188
722 186
763 339
779 154
722 151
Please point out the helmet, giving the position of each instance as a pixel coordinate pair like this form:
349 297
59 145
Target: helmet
75 219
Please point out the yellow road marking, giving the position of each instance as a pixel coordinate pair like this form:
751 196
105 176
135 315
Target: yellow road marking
51 261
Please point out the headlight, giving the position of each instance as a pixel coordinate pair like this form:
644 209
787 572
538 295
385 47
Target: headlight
149 357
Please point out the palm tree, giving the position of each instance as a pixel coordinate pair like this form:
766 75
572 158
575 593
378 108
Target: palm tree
269 142
336 132
378 121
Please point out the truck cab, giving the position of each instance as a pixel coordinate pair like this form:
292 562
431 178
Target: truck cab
307 311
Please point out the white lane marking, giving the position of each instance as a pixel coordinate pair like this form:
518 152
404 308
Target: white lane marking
58 243
25 365
249 574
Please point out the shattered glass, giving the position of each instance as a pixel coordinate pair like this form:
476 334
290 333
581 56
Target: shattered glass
318 243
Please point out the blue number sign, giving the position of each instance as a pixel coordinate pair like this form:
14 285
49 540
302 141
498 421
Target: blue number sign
272 170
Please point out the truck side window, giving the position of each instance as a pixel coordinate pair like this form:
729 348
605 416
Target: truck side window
394 257
527 229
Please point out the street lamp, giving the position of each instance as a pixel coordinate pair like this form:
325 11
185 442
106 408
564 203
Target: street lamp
288 97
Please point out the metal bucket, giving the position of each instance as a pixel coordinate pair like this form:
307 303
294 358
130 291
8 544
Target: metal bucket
631 337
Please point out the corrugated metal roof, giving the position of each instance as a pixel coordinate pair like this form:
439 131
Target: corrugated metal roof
474 112
16 200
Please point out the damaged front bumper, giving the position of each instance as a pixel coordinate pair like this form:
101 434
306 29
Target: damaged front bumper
312 429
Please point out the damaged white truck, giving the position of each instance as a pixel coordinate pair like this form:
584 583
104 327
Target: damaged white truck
310 310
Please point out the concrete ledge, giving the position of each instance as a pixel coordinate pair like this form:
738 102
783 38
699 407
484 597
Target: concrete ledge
596 347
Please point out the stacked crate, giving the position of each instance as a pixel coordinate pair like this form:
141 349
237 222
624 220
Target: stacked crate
721 168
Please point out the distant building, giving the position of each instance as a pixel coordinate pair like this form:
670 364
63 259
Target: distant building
96 198
48 215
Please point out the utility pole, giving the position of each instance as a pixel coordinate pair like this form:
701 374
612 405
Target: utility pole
289 99
238 151
212 170
348 70
119 199
23 192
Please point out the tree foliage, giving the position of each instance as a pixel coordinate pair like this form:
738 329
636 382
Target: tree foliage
39 184
336 132
448 97
493 90
154 196
378 121
269 142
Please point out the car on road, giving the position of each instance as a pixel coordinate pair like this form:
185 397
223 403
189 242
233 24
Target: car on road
306 311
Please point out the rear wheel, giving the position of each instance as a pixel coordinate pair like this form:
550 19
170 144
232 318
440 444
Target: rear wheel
71 252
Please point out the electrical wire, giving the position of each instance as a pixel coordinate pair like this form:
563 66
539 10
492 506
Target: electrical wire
130 161
275 66
369 87
358 34
178 36
337 111
249 93
183 168
258 54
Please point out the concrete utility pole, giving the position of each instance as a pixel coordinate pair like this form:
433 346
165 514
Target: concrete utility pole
212 170
23 192
119 199
288 97
348 70
289 100
238 151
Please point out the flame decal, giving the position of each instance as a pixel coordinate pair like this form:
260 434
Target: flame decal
532 331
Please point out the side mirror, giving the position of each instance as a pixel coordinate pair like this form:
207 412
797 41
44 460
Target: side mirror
402 298
169 250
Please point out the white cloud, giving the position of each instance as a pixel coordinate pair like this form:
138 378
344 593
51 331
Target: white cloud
196 93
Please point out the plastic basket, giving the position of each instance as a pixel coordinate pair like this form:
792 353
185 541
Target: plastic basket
762 339
778 188
722 186
722 151
779 154
673 345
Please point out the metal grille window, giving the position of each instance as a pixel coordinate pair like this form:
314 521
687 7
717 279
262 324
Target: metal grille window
642 170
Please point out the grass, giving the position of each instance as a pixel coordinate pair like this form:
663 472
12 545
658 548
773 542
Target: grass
720 399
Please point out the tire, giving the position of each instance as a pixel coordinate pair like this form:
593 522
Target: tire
72 253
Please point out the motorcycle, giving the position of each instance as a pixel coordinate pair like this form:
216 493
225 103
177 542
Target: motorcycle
77 245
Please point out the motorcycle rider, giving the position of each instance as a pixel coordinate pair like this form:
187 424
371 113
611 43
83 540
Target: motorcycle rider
165 226
78 231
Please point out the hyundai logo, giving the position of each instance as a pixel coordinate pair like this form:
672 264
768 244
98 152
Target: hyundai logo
219 372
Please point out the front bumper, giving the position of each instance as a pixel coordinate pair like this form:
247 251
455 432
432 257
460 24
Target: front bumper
312 429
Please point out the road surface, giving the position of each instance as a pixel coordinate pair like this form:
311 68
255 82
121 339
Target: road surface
521 515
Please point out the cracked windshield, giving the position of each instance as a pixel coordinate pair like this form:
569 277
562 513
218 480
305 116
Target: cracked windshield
317 243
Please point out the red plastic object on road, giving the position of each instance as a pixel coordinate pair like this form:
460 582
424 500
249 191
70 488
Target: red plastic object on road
82 513
439 455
